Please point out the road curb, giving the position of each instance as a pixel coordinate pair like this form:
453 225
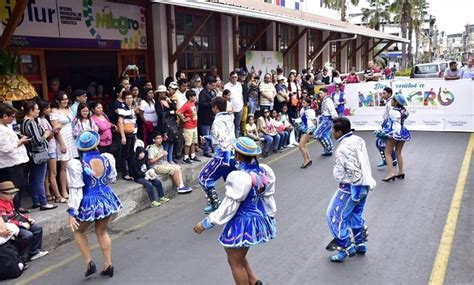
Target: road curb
132 195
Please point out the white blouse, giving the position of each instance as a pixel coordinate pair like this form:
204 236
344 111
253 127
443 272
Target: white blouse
11 154
237 186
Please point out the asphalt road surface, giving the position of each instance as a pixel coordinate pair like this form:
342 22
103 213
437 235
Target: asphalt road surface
406 220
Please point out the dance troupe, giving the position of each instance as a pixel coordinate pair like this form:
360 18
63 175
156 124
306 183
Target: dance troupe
248 209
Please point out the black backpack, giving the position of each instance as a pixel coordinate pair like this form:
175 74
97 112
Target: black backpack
10 261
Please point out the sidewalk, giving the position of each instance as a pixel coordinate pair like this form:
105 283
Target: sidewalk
132 195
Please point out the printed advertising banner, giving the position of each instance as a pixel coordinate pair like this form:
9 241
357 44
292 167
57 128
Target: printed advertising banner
434 105
262 62
77 24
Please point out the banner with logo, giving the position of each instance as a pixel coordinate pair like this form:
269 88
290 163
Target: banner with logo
77 24
262 62
434 105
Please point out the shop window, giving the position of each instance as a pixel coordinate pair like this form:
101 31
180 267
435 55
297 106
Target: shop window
351 58
335 59
287 34
202 51
247 30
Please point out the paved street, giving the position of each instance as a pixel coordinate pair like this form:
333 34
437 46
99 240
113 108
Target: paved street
405 220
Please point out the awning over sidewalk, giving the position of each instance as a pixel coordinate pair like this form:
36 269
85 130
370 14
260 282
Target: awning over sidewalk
262 10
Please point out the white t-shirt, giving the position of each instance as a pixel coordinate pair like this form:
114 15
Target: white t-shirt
467 72
181 99
236 97
149 112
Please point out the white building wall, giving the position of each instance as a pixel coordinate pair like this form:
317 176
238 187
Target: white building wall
359 64
160 35
302 50
344 67
326 50
227 46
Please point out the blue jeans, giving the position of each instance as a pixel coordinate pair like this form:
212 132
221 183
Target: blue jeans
36 183
284 136
252 106
271 142
237 120
169 147
149 188
205 131
33 237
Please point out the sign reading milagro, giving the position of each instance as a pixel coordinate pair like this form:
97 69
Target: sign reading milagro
78 24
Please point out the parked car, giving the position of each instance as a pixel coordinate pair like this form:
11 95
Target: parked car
429 70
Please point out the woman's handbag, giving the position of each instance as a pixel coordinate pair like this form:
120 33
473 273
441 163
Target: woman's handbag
128 128
40 157
172 130
294 100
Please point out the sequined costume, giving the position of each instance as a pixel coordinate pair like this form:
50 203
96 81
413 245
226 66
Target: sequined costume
381 140
324 129
222 134
395 126
353 173
90 198
248 208
308 117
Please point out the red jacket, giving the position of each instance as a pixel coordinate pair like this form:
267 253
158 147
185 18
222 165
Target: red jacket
7 210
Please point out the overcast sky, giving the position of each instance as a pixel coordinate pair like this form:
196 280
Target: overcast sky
451 15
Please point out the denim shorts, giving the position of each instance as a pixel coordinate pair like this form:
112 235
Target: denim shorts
53 155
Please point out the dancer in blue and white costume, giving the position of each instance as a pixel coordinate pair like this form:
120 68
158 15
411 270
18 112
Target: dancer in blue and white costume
223 162
352 171
380 141
306 128
396 134
247 210
91 200
323 132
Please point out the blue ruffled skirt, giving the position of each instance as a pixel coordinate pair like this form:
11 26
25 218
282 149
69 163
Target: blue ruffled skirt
403 135
244 230
98 204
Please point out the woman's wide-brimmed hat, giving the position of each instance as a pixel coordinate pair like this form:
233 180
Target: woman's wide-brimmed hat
8 187
400 99
88 140
246 146
161 89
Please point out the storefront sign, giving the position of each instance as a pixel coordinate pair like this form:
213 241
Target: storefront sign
434 105
262 62
78 24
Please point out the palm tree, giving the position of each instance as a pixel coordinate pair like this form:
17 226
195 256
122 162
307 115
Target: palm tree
419 13
376 14
411 15
340 5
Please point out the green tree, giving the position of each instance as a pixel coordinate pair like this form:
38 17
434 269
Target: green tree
377 13
411 16
340 5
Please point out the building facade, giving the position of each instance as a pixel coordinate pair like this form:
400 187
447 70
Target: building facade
81 42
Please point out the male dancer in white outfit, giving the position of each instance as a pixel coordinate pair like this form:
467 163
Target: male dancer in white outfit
222 135
352 172
324 129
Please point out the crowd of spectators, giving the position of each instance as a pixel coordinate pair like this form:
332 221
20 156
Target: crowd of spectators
150 130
